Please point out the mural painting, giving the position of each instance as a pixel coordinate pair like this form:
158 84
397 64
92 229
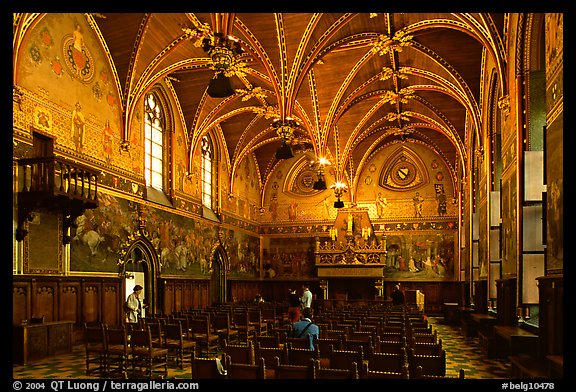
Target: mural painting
420 256
290 258
184 245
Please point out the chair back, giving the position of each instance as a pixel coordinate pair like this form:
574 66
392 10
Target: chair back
239 353
269 354
207 368
302 356
331 373
343 359
290 371
94 337
254 371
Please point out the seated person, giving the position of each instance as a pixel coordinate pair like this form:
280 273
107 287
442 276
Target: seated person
305 327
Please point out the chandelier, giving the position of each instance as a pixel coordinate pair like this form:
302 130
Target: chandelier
285 130
320 183
339 189
223 51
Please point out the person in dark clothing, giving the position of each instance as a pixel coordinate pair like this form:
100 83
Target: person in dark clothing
397 296
293 306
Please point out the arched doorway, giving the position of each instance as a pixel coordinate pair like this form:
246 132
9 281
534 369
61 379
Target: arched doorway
218 276
139 265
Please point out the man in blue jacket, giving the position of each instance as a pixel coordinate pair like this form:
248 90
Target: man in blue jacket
306 328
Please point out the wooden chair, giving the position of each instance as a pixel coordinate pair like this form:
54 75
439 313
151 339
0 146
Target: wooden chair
156 330
302 356
253 371
393 347
241 322
271 341
332 373
325 345
150 361
418 374
386 362
427 348
392 336
179 348
342 359
95 349
117 352
375 374
303 343
304 371
207 368
425 337
206 340
270 317
255 319
222 326
432 365
239 353
355 345
269 354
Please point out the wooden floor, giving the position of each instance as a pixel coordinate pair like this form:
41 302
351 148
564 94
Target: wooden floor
461 353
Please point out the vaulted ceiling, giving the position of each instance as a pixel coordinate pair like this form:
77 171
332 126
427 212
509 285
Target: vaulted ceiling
354 82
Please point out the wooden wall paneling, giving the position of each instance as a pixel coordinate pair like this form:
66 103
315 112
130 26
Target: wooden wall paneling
21 301
195 296
481 296
69 303
44 299
506 301
91 302
551 315
178 293
432 297
187 296
112 301
205 296
168 297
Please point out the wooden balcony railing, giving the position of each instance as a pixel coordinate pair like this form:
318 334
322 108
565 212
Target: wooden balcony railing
57 184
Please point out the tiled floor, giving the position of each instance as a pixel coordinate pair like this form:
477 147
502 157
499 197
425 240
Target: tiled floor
461 352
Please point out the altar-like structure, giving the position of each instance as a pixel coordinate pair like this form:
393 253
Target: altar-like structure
353 250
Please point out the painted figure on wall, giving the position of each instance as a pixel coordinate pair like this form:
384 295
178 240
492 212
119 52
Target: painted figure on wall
420 256
107 142
78 123
418 200
381 203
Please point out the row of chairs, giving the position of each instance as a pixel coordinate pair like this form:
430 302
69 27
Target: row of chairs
405 336
112 352
213 368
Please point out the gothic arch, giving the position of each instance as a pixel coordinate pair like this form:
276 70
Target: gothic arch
140 252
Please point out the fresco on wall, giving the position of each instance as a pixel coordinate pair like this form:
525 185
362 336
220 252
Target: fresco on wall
290 258
100 233
184 245
420 256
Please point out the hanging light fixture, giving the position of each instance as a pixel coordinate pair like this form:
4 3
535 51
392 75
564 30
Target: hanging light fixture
320 183
285 130
223 51
339 188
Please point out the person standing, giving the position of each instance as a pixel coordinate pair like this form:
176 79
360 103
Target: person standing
134 305
397 296
293 306
305 327
306 299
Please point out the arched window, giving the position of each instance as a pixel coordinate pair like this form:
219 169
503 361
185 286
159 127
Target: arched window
208 178
154 125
